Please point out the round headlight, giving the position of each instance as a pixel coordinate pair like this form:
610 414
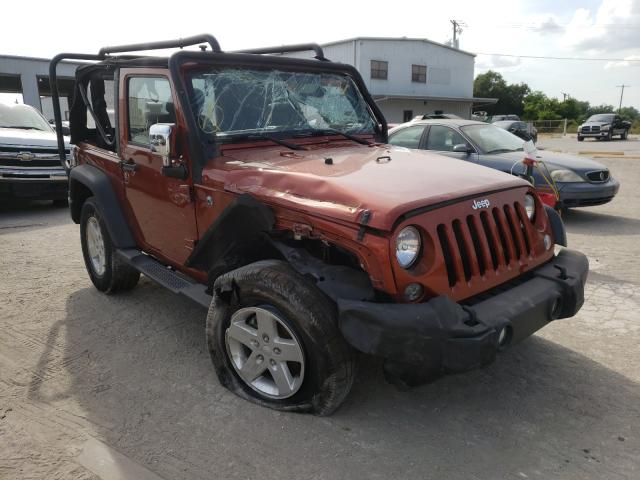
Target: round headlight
408 246
530 205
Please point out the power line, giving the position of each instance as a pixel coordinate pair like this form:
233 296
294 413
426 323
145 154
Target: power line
562 58
547 23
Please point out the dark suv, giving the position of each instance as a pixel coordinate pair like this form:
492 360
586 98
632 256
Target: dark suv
263 188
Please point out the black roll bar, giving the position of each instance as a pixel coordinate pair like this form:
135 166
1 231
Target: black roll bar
102 55
178 43
301 47
55 98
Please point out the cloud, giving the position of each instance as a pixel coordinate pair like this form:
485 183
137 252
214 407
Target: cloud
612 29
629 61
548 26
497 62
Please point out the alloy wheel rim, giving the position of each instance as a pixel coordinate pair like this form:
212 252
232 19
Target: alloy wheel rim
95 246
265 352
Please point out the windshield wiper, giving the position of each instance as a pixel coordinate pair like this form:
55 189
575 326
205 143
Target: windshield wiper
262 136
503 150
21 127
333 131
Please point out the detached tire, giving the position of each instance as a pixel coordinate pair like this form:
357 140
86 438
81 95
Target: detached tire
274 340
107 271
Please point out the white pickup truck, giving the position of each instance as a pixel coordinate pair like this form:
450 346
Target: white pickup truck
29 163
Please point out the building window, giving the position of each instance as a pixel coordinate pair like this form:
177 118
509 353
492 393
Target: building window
419 73
407 115
379 69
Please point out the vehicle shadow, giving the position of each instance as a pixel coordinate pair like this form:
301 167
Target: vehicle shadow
23 213
601 224
139 371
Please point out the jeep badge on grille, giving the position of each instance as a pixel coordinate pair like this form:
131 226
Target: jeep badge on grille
484 203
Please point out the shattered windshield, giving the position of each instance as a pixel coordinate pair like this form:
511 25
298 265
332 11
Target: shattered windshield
231 101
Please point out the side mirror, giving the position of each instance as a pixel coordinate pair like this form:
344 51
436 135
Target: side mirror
160 139
462 148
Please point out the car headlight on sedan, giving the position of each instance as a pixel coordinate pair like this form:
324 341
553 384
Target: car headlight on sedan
566 176
408 243
530 206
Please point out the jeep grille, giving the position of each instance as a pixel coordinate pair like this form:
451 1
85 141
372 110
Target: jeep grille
485 240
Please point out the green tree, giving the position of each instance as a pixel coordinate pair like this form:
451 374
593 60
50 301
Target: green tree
510 97
630 113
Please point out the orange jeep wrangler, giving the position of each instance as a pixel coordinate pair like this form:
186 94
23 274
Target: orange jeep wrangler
261 186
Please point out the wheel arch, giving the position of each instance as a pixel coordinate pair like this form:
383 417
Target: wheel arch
87 181
244 234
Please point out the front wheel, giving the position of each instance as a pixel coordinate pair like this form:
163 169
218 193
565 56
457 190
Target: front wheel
108 272
624 135
275 340
580 138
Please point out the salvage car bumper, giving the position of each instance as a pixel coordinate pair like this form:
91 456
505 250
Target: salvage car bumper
423 341
35 183
585 194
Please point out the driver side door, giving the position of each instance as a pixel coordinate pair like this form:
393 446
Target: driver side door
162 208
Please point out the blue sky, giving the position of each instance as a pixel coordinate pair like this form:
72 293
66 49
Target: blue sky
588 28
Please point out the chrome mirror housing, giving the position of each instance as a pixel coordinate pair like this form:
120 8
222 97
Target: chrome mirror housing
160 136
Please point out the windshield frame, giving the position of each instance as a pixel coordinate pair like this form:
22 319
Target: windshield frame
464 130
183 62
26 110
296 90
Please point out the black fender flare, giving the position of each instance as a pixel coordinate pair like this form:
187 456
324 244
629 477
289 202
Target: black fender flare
240 235
557 226
87 177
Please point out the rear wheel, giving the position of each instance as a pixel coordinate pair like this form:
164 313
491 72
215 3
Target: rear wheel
275 340
108 272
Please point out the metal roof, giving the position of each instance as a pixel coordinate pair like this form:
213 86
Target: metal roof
432 97
398 39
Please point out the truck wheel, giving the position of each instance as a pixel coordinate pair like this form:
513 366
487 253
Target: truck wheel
107 271
624 135
580 138
274 340
609 136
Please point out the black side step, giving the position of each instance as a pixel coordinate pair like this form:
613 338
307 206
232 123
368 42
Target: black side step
170 279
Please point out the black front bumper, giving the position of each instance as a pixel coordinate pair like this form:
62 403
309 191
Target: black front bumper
33 189
422 341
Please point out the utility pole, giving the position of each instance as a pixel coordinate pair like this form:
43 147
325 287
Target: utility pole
564 96
621 93
457 30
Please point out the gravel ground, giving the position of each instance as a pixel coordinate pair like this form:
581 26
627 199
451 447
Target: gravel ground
132 372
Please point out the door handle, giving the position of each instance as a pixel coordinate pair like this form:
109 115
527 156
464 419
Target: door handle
128 166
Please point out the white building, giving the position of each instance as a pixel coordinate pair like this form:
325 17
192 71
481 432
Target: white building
27 79
410 76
